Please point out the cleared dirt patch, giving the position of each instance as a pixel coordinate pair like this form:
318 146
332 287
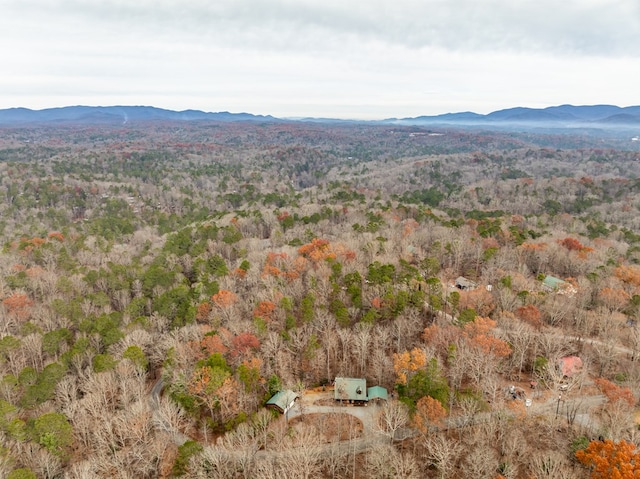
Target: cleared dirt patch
333 426
327 401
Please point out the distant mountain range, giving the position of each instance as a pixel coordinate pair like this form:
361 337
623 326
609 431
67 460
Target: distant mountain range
117 114
564 116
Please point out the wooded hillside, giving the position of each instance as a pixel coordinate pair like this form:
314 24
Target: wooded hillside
160 282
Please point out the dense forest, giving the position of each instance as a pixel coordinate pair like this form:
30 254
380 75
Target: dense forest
159 282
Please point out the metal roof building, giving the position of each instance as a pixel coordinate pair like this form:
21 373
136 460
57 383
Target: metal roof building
465 284
377 392
350 389
552 283
282 401
569 366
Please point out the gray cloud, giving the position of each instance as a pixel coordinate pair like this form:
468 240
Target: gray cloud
311 57
568 27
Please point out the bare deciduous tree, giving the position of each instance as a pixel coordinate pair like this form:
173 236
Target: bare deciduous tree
386 462
393 416
550 465
442 453
481 462
213 463
617 417
169 417
242 446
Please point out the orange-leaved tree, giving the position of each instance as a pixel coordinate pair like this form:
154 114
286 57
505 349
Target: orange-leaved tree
280 265
611 460
224 298
613 298
628 274
408 362
321 250
376 302
478 333
244 343
56 235
318 250
264 310
225 301
213 343
530 314
273 264
429 412
203 310
213 386
571 244
614 392
18 305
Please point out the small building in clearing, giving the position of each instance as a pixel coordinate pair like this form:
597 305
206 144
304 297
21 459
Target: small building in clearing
569 366
557 285
465 284
282 401
551 283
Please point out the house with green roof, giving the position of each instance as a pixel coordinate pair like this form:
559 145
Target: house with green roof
282 401
350 389
354 390
551 283
557 285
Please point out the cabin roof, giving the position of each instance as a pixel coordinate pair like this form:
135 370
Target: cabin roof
377 392
282 400
350 389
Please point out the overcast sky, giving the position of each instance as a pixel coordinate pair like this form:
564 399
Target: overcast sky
340 58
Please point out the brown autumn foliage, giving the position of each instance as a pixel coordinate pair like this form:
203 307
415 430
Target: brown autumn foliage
530 314
203 311
409 226
34 271
243 343
264 310
224 298
629 274
429 412
533 246
614 392
571 244
213 343
478 332
478 299
614 298
440 337
18 305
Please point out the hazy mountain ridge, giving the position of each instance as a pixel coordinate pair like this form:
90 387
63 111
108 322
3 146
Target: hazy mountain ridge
563 115
558 116
117 114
